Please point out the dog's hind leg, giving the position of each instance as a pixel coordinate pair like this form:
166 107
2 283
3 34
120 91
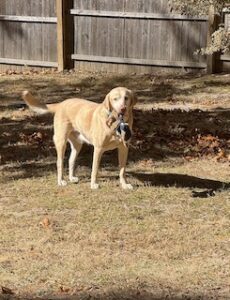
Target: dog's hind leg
75 150
61 132
60 145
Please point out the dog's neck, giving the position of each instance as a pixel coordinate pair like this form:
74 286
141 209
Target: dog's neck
112 121
108 112
112 118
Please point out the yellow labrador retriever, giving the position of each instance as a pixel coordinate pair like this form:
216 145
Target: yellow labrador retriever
78 121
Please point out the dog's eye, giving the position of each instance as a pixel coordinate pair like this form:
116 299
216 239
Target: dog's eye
115 99
126 98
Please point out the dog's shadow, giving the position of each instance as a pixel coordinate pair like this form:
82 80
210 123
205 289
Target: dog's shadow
182 181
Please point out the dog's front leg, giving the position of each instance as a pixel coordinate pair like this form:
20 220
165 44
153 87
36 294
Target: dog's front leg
96 162
122 156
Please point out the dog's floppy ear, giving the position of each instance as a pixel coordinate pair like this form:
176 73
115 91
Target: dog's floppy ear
107 103
134 98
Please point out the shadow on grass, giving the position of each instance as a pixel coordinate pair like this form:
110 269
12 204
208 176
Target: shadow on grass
158 134
160 127
150 89
179 180
129 294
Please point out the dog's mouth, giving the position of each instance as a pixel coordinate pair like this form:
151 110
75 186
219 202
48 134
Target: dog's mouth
120 110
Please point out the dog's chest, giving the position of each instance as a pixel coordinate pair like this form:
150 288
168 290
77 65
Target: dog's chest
112 142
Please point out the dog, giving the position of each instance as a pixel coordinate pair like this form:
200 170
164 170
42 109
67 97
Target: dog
79 121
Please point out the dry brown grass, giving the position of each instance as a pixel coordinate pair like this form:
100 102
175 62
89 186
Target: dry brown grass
157 242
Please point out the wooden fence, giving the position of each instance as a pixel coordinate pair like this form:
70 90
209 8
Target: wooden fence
135 33
99 35
28 34
224 64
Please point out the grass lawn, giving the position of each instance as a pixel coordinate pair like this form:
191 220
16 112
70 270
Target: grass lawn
156 242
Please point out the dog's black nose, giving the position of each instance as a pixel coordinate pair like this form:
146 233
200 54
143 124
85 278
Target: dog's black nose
123 110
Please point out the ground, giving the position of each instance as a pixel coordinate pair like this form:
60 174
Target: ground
167 239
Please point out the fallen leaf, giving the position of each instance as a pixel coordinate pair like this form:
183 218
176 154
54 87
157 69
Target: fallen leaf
64 289
220 155
45 223
6 290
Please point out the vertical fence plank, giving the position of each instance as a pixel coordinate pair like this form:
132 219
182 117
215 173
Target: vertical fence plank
37 30
212 60
65 34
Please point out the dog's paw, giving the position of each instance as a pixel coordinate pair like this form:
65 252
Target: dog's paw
74 179
62 183
127 186
94 186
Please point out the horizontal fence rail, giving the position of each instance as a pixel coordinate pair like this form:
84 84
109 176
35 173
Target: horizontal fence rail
26 19
133 15
133 61
225 57
30 63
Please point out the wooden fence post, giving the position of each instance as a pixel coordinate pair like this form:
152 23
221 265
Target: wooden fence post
213 23
65 34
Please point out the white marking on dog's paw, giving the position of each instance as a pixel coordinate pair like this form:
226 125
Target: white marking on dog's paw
74 179
62 183
94 186
127 186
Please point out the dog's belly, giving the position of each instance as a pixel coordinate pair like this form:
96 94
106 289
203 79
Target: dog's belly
109 144
82 139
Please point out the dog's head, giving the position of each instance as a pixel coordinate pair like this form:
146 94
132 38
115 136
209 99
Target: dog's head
121 100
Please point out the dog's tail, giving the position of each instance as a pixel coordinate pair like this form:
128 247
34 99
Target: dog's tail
38 107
